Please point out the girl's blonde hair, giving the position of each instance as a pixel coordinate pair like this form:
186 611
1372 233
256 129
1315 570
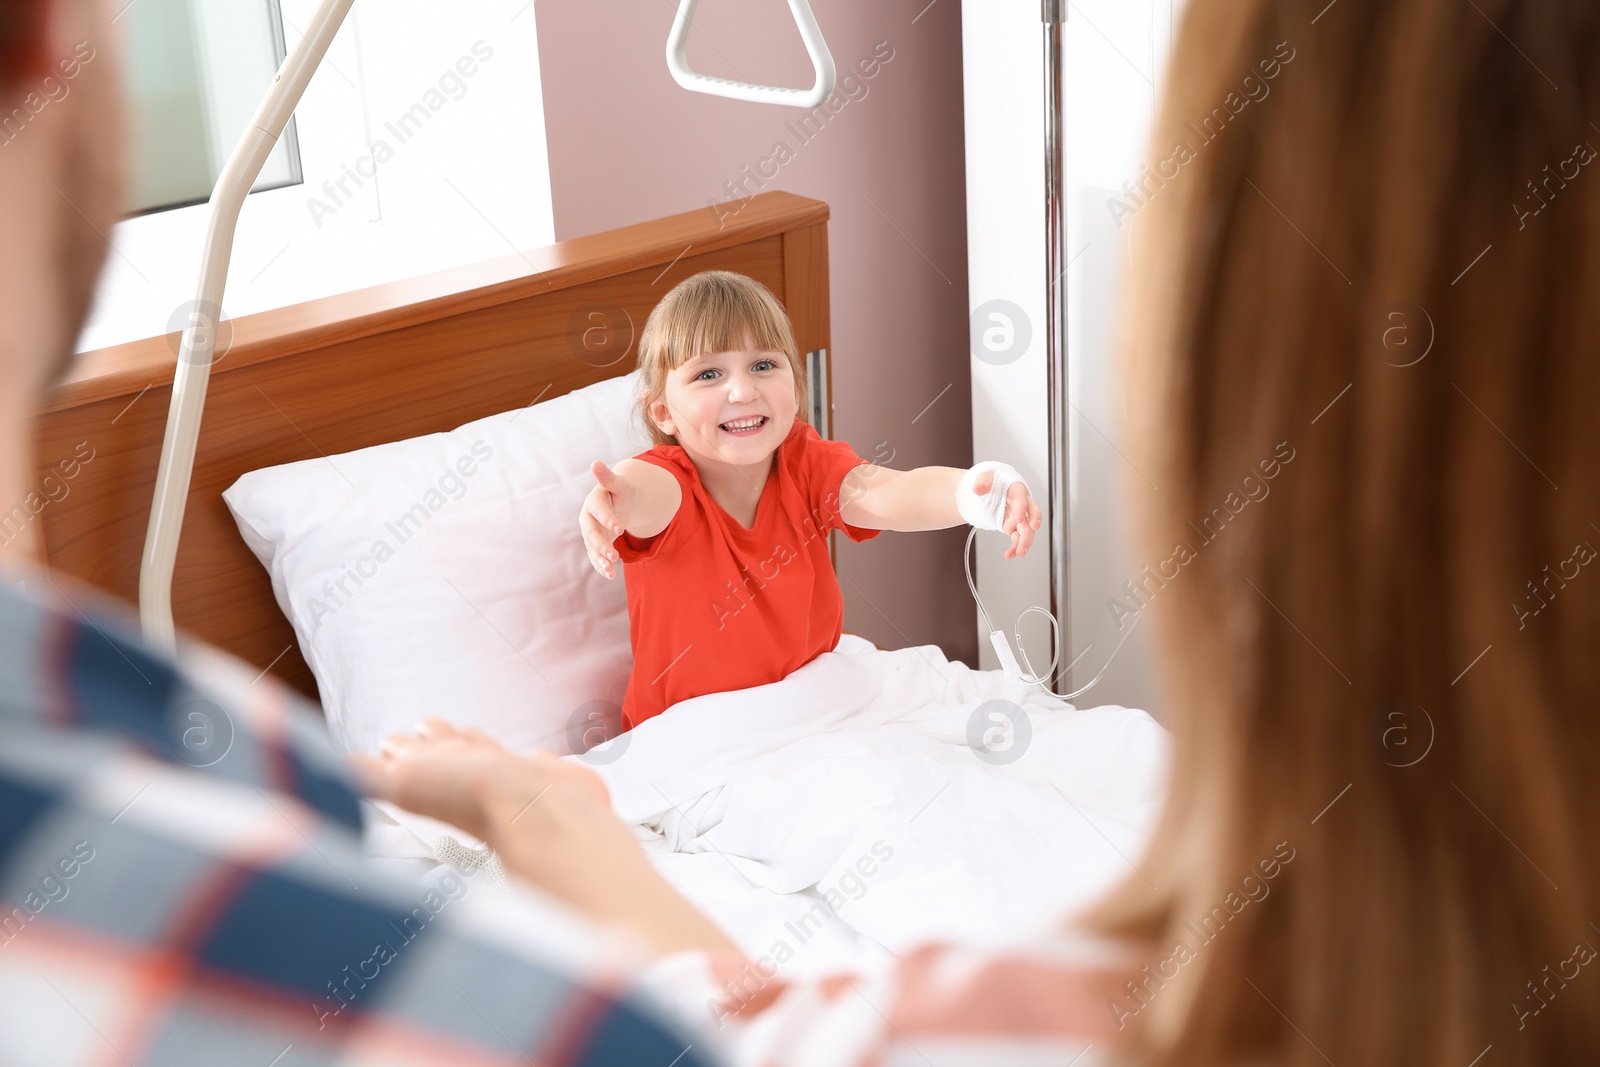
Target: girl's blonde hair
1352 673
713 311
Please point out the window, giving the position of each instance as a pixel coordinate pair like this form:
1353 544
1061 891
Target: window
418 145
195 73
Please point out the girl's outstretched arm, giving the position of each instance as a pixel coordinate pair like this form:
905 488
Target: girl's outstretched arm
877 498
638 497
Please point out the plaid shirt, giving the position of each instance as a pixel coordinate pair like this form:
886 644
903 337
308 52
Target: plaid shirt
182 882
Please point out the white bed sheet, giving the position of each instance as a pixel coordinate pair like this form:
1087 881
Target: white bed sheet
842 813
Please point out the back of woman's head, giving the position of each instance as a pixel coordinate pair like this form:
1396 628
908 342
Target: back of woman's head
1385 666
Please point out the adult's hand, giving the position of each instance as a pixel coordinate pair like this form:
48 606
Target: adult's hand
550 821
460 775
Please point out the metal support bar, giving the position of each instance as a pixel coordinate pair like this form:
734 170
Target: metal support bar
1054 14
193 372
810 36
817 384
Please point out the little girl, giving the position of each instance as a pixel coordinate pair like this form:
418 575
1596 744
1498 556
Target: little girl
724 522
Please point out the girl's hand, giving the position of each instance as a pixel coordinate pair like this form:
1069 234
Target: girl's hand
1022 515
606 512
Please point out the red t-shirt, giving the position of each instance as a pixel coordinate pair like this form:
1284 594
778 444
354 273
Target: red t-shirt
713 606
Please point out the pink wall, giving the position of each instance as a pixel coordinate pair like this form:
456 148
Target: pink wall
627 144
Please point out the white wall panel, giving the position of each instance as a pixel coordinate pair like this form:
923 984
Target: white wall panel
1115 53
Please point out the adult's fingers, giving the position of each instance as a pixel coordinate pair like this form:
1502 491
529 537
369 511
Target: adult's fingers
434 728
398 745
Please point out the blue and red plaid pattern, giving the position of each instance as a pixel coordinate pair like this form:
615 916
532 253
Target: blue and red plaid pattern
182 882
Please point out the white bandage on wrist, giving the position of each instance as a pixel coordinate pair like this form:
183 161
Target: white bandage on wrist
986 511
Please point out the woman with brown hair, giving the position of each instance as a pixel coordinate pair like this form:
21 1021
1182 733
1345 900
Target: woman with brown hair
1382 683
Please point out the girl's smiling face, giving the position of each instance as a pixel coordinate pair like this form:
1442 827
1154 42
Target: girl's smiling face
713 390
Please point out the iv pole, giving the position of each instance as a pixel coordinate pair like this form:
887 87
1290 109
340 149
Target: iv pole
1054 15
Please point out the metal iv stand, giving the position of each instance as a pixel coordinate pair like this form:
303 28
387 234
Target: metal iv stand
1054 15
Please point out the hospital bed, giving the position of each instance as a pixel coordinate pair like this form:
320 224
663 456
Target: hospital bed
872 799
394 361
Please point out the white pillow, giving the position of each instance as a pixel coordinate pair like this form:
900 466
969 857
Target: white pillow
444 575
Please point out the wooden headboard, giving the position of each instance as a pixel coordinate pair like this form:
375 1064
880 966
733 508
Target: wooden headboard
394 361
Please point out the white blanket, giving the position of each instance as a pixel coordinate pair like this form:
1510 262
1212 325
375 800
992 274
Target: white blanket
873 799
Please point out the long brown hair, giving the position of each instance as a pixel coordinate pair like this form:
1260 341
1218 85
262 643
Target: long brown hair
1389 668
